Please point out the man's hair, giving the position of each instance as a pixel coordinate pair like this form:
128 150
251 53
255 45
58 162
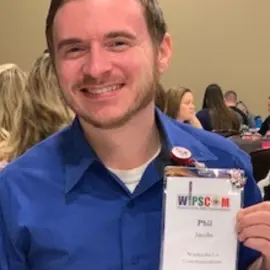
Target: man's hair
230 95
153 15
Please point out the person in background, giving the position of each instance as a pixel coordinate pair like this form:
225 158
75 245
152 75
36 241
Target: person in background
12 82
215 115
91 195
251 118
230 98
266 123
41 112
180 106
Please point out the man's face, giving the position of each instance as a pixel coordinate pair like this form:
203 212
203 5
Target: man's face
105 59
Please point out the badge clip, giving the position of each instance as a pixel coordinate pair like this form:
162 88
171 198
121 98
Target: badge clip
183 157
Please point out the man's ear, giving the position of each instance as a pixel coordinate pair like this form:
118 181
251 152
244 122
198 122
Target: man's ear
164 53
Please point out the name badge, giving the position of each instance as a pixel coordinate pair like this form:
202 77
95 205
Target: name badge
199 218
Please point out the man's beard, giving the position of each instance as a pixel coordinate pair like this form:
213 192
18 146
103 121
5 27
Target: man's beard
145 97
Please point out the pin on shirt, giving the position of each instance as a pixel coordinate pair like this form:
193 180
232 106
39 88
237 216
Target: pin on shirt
183 157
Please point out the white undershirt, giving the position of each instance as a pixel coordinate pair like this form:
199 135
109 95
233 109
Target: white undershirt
131 178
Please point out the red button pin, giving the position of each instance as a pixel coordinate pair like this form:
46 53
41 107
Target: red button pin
181 156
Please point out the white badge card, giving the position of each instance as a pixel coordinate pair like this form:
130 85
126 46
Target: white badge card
199 218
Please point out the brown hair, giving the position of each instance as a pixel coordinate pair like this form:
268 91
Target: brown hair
222 117
173 99
153 14
160 98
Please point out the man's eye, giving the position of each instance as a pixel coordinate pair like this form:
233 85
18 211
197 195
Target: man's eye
118 45
74 50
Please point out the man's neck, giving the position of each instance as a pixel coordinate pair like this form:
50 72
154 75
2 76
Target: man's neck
129 146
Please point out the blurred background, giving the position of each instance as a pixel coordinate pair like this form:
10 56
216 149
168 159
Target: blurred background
224 42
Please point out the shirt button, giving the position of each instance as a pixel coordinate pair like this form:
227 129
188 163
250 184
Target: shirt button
135 260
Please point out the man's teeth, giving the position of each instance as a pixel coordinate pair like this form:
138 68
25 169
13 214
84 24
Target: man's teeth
103 90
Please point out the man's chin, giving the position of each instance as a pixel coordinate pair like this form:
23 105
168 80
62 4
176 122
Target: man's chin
116 117
107 122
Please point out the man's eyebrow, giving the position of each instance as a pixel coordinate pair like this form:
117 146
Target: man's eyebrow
67 42
71 41
117 34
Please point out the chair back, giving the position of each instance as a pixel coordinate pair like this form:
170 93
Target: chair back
227 133
261 163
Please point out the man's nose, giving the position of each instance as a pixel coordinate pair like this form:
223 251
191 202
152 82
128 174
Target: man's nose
97 63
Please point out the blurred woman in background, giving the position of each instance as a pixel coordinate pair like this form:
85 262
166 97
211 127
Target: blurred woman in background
41 112
215 115
180 106
12 83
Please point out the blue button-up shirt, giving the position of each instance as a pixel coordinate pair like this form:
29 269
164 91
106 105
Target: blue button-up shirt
61 209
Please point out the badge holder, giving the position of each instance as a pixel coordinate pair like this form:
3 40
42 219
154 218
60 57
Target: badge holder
199 216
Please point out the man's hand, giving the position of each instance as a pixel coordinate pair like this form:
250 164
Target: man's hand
253 227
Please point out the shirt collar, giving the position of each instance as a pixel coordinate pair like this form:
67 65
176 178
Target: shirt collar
175 134
79 155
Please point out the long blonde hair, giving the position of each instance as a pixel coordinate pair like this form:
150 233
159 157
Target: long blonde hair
42 111
12 82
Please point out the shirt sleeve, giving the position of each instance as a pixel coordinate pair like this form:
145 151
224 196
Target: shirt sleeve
10 257
252 196
204 118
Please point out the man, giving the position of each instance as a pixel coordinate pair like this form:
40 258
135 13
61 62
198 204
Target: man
230 98
90 197
266 123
